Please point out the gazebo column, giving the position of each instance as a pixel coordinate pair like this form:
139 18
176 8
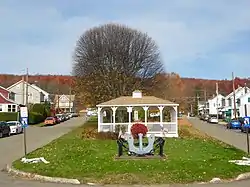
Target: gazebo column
99 118
161 115
146 115
176 120
113 112
129 110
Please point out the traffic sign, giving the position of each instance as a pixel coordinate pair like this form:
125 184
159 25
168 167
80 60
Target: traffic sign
24 121
23 112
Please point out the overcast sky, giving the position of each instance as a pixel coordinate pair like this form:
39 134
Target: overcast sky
197 38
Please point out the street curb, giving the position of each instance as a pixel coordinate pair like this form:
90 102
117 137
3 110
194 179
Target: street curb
16 172
9 169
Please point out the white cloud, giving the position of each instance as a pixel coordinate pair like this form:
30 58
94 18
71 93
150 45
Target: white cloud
184 32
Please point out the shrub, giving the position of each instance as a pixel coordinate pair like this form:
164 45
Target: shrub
35 118
42 109
8 116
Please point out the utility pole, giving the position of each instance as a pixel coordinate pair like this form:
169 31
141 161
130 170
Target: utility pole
205 99
23 91
57 95
217 99
26 103
235 112
70 99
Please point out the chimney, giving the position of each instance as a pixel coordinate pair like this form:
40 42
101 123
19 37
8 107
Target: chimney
137 94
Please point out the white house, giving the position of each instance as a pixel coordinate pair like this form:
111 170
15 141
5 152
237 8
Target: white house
65 102
244 105
229 101
212 104
35 94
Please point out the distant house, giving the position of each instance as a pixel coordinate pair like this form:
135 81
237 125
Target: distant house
35 94
213 107
65 102
6 104
244 105
229 101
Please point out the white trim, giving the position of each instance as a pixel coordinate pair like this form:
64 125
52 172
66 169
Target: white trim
4 89
30 85
39 89
125 105
63 96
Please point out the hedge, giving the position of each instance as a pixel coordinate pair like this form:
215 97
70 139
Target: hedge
35 118
8 116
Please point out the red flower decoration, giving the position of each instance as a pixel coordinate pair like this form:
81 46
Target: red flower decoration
138 128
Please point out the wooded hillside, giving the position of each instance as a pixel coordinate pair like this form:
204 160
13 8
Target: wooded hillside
180 90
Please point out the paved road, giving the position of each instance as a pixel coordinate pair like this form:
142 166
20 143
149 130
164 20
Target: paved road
12 149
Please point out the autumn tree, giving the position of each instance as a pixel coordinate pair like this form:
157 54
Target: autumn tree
113 60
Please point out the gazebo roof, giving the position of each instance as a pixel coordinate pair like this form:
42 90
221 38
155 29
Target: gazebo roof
143 101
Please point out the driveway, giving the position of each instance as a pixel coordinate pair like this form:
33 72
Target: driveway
12 149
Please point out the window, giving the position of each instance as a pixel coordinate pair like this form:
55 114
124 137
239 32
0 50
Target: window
249 99
223 103
1 108
9 108
230 102
13 108
238 102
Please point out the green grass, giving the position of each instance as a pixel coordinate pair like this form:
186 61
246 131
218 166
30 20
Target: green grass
195 157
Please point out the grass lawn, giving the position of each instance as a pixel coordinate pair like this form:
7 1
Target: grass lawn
193 157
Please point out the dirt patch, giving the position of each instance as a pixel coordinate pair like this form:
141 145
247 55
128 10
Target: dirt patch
184 122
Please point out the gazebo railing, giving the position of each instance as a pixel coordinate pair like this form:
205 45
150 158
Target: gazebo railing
171 127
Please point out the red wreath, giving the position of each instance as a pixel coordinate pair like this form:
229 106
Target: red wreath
138 128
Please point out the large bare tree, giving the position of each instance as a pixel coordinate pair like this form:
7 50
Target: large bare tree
113 60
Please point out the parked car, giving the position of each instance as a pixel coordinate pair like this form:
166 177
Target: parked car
213 120
4 129
57 119
61 117
246 125
206 117
234 124
75 115
50 121
15 127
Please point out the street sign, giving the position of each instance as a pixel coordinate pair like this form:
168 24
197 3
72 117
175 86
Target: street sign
24 121
24 112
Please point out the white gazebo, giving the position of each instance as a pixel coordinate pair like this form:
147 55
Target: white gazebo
149 105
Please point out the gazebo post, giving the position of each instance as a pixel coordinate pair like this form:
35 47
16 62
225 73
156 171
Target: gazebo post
176 119
129 110
114 110
161 115
99 118
146 114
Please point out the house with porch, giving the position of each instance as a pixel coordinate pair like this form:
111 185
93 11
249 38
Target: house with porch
66 103
35 94
228 110
6 103
126 110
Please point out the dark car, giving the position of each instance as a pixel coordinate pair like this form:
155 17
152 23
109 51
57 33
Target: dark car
57 119
4 129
